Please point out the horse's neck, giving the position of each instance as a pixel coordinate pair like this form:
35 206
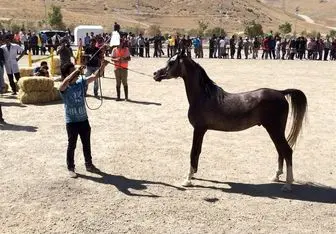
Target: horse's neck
192 86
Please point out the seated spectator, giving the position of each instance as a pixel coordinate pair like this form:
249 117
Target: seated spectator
43 72
44 66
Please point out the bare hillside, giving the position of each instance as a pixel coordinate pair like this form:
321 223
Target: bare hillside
177 14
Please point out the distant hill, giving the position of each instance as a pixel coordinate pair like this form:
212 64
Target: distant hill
173 15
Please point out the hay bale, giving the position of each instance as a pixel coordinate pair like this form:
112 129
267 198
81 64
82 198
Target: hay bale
57 65
39 97
26 71
36 84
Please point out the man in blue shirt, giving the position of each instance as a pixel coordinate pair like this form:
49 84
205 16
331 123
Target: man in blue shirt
73 93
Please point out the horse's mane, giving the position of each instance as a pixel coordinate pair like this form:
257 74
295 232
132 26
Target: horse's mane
210 88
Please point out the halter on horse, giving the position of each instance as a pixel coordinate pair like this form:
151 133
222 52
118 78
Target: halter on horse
211 108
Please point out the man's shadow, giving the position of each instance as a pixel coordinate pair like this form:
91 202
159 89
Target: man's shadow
12 104
134 101
301 191
13 127
124 184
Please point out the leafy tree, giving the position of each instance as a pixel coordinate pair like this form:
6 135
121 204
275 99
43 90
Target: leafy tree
217 31
285 28
55 18
332 33
154 30
253 29
202 26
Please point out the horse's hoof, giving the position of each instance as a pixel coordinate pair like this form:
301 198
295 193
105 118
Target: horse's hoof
187 183
286 188
276 179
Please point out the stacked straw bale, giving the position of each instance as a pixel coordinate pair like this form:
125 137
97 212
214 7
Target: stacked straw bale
4 88
37 89
26 71
57 65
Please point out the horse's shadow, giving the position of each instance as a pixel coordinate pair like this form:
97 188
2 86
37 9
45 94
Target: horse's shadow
301 191
124 184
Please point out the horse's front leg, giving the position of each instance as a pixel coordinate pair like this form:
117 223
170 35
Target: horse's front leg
194 154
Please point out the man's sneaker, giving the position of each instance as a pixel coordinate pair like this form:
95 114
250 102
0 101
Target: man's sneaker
72 173
91 168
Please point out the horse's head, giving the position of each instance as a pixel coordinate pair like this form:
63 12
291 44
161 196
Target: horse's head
173 68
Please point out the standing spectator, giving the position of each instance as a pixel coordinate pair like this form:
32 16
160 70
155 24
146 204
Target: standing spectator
141 44
92 58
232 46
147 48
333 50
196 43
120 57
86 41
2 121
34 44
283 48
177 44
265 47
212 42
10 51
65 52
2 63
116 27
327 47
301 47
310 48
240 47
247 47
277 48
188 44
320 48
272 43
256 47
292 49
222 48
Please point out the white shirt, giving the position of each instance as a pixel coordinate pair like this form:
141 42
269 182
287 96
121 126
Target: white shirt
11 64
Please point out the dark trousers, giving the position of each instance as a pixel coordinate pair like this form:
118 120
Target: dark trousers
141 51
147 52
326 53
1 119
11 80
82 129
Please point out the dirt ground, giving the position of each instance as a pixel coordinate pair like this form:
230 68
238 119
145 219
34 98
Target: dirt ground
143 149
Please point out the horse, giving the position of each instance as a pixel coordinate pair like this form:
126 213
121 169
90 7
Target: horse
212 108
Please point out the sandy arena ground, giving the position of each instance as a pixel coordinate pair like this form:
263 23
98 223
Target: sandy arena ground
143 149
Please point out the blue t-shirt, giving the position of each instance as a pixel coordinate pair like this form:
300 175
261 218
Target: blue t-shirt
74 103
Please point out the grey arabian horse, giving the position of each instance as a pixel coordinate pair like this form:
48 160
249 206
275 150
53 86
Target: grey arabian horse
211 108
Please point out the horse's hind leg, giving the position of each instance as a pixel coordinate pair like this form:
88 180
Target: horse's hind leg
285 152
194 154
280 168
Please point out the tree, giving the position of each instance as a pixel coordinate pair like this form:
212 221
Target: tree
154 30
253 29
217 31
285 28
332 33
202 26
55 18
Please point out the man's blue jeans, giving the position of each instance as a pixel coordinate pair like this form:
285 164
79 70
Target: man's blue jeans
89 72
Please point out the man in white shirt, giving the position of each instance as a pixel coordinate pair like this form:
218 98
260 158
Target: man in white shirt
11 61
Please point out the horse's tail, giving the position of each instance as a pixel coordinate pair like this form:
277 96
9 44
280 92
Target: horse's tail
298 101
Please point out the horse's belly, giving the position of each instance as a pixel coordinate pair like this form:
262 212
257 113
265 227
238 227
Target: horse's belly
232 124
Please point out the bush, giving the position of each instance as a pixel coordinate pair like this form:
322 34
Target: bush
55 18
285 28
253 29
153 30
217 31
